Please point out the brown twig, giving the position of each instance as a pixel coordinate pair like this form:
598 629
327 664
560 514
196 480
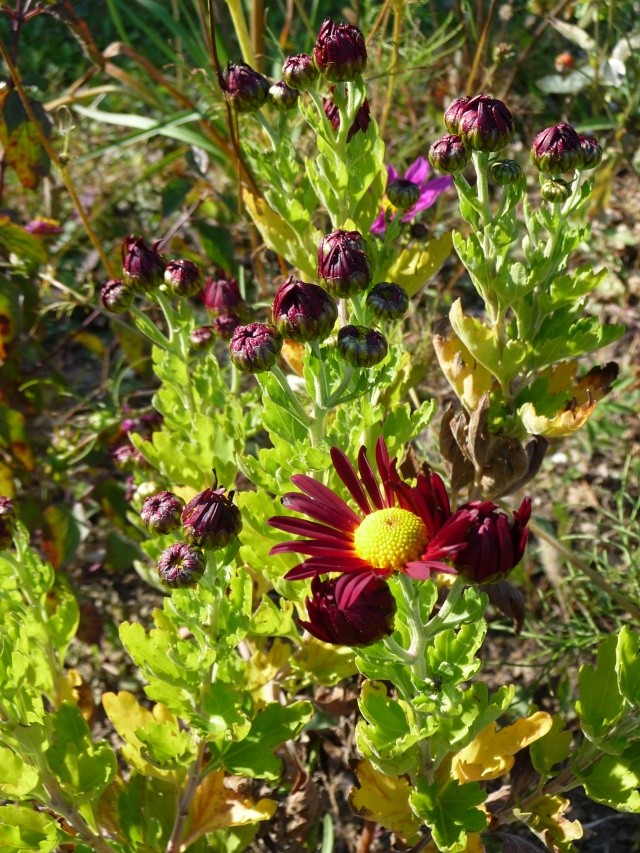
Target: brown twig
480 50
193 780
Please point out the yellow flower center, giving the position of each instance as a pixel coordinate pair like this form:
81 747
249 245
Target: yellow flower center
390 538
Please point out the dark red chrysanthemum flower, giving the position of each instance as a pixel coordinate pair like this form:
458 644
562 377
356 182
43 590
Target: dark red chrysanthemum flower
352 610
400 528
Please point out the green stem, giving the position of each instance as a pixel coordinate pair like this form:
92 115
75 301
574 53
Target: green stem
295 407
439 622
242 31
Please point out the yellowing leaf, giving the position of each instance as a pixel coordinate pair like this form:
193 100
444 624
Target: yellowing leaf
385 800
545 817
128 716
263 668
492 752
581 398
91 342
322 663
20 140
468 378
281 237
217 806
474 845
415 266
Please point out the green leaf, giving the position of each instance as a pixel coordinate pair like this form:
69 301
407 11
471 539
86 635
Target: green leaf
388 735
146 809
217 244
253 756
451 656
628 665
22 828
562 337
601 704
504 362
551 749
614 780
83 768
18 776
450 812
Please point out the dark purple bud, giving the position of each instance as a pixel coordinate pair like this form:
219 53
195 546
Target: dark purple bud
299 71
303 312
117 296
211 519
360 346
495 543
402 193
255 348
343 265
7 522
387 301
352 610
161 513
183 277
449 154
181 565
453 114
505 172
485 124
202 337
244 88
283 97
360 123
557 149
128 457
591 152
225 325
340 52
555 190
221 295
142 265
43 227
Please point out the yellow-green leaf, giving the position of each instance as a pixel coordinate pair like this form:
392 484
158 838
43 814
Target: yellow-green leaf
385 800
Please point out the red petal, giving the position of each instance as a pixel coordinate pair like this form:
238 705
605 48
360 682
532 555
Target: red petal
349 477
320 511
369 479
302 527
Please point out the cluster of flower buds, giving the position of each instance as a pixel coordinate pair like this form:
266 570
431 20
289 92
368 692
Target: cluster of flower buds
210 520
304 312
144 269
7 522
560 149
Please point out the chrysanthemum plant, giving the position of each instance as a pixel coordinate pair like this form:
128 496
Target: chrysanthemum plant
235 642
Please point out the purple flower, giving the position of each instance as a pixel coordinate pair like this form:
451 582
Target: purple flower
417 172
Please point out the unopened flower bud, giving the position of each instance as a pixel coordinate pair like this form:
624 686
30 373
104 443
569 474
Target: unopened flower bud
485 123
283 97
244 88
255 348
7 522
557 149
360 346
453 114
211 519
142 266
183 277
591 152
343 265
402 193
202 337
387 301
555 190
181 565
299 71
221 295
161 513
340 52
505 172
360 123
495 542
303 312
117 296
350 610
449 154
225 325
